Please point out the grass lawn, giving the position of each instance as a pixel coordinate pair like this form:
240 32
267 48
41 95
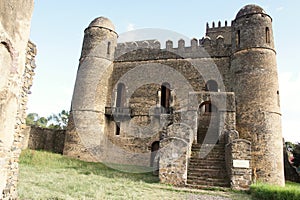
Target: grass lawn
261 191
46 175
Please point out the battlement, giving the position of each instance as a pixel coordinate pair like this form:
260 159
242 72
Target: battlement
151 49
217 27
215 31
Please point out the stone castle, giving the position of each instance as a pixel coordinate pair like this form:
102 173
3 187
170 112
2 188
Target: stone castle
206 114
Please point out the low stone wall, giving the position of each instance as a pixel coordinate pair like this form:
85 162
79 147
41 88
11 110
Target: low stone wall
173 154
44 139
238 161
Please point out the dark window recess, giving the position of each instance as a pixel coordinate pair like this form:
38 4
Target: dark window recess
118 130
165 96
108 48
268 35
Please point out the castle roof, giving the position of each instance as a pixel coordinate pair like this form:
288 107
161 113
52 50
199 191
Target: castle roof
102 22
250 9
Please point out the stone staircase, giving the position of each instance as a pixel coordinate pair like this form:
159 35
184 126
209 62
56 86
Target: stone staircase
207 168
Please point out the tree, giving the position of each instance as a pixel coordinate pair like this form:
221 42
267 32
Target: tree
33 119
59 121
296 154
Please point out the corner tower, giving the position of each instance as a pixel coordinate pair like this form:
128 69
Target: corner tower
91 90
255 83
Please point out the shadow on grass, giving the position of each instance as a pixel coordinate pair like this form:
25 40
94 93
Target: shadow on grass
44 159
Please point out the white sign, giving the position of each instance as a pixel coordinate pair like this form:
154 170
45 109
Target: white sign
241 163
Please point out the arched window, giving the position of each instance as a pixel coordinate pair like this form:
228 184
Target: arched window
165 96
211 86
108 48
268 35
120 95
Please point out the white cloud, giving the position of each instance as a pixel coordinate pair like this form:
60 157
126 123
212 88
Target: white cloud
290 106
130 27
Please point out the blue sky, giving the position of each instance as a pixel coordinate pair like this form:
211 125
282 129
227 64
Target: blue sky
57 30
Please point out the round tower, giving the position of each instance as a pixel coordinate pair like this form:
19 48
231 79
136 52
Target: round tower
87 120
255 83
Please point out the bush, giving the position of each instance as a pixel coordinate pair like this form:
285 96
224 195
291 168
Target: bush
262 191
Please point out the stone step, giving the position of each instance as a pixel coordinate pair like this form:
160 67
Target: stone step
224 188
209 170
205 184
202 155
205 166
207 148
206 173
202 162
209 158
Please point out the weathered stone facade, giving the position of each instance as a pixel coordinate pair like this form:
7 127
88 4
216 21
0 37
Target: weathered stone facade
136 103
15 81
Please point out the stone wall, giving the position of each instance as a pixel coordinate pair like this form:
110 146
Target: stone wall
15 82
38 138
174 152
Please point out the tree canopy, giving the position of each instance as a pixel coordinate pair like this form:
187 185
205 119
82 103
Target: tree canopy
54 121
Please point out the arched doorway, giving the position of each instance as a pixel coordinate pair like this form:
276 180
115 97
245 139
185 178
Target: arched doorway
154 160
208 123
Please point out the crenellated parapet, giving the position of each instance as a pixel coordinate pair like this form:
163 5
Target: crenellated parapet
214 31
151 49
123 48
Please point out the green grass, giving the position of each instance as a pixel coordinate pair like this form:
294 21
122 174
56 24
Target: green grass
46 175
261 191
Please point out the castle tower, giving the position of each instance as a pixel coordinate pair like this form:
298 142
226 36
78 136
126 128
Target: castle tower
255 83
87 122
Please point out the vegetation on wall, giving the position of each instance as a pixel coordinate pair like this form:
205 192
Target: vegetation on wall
55 121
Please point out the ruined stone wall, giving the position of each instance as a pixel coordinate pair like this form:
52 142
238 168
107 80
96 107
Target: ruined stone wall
38 138
15 82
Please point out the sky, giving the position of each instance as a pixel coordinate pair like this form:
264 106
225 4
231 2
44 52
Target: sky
57 29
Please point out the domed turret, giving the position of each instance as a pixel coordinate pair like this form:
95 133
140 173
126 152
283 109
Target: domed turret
100 39
249 10
252 27
90 92
255 83
102 22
